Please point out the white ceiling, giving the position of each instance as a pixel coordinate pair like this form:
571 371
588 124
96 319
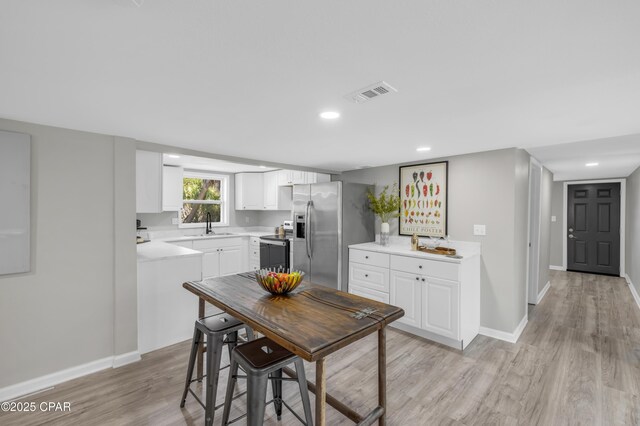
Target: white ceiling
616 157
248 78
211 164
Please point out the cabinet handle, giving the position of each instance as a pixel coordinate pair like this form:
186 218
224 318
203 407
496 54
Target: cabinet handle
423 279
366 257
366 275
420 266
417 278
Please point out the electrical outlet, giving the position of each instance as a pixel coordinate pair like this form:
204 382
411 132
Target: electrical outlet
479 230
174 221
553 218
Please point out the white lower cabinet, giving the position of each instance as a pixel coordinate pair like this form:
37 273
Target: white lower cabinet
440 302
224 256
440 299
405 291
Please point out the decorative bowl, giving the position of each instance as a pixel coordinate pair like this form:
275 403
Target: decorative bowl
279 282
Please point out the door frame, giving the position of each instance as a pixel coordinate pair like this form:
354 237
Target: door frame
623 208
533 163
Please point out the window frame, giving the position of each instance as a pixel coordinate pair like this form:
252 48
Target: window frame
223 202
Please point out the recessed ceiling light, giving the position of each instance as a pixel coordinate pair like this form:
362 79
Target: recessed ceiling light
423 149
330 115
591 164
173 156
262 167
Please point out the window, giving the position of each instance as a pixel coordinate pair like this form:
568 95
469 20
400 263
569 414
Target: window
204 193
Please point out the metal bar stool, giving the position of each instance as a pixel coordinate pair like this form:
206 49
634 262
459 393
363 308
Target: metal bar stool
263 360
216 328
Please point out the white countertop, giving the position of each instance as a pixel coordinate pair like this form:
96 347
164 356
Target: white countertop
160 250
466 252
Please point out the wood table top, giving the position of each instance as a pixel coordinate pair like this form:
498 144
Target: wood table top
312 321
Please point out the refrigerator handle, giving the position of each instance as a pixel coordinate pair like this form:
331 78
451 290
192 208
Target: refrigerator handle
307 227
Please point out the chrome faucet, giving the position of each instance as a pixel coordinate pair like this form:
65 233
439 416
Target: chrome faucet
209 230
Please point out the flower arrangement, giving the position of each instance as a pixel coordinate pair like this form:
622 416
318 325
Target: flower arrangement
386 205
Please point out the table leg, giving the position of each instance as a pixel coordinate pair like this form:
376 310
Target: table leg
321 391
200 362
382 373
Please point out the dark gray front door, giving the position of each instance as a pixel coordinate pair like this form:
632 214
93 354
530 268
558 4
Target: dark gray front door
593 228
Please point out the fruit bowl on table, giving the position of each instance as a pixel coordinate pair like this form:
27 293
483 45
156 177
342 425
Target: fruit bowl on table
279 282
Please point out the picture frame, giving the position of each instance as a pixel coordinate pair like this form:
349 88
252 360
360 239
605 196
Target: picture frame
424 199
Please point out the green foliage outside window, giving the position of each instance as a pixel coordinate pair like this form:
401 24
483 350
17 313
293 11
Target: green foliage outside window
198 189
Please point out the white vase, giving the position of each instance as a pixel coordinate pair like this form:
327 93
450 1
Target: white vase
384 234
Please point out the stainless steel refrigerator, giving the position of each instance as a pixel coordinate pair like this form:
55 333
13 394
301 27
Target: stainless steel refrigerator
328 217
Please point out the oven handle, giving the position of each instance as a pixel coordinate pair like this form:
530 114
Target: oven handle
307 227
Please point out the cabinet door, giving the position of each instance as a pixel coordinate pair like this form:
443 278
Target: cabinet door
440 307
270 183
298 177
249 191
284 177
211 264
148 182
171 189
230 261
405 291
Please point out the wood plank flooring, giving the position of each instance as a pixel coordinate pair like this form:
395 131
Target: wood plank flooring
577 362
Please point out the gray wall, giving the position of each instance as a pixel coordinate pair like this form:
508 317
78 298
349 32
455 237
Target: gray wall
632 243
556 233
487 188
546 195
61 314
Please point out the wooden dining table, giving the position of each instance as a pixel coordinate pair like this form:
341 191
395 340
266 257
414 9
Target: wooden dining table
312 322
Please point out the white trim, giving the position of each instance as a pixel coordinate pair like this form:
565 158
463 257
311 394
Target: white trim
48 381
544 291
557 268
623 214
125 359
634 293
503 335
536 163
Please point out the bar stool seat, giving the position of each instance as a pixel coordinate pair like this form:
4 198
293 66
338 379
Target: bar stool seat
263 360
219 329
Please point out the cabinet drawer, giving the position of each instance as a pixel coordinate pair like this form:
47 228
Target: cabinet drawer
254 252
430 268
369 258
371 277
254 241
215 243
369 294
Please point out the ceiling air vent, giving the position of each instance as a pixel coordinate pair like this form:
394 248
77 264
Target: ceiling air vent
370 92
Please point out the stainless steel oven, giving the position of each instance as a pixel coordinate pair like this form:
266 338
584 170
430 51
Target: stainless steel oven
275 252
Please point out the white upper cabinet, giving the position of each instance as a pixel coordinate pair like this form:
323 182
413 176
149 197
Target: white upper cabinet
171 188
297 177
270 180
249 191
148 182
276 197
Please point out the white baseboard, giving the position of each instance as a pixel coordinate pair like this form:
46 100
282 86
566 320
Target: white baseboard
39 383
49 380
544 291
636 297
124 359
556 268
503 335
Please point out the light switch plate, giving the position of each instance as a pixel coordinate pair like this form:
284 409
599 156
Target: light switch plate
553 218
479 230
174 221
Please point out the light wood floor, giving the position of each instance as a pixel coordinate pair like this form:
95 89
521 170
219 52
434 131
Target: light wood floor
577 362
